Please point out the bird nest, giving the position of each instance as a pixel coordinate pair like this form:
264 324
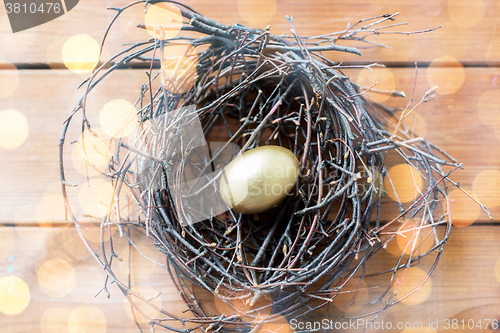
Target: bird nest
231 89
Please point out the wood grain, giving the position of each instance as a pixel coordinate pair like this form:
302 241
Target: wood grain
46 98
456 284
469 40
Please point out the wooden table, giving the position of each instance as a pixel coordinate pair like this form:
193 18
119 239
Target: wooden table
41 252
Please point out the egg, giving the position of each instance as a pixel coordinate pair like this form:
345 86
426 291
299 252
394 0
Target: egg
259 179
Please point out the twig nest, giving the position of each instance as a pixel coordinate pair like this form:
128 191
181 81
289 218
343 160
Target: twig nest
259 179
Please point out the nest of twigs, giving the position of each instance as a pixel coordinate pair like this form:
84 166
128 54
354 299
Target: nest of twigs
245 88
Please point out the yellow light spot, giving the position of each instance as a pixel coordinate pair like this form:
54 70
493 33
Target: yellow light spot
488 107
419 330
497 269
407 282
493 56
464 211
80 53
348 292
179 66
248 311
87 320
447 73
257 13
147 293
7 242
14 129
383 78
278 324
14 295
9 80
466 13
129 19
413 122
56 277
55 320
91 155
407 183
118 118
50 211
141 269
163 21
413 239
54 53
96 197
486 186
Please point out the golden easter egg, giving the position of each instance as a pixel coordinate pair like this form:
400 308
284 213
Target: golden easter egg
259 179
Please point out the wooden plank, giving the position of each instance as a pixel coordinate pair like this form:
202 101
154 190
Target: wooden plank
467 31
31 192
63 280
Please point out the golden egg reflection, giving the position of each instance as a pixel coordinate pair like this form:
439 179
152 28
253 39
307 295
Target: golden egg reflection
95 197
87 320
447 73
346 294
278 324
163 21
488 106
486 186
464 211
7 242
413 122
179 68
14 129
141 268
118 118
382 78
14 295
148 293
80 53
56 277
407 183
407 281
466 13
91 155
55 320
258 13
9 80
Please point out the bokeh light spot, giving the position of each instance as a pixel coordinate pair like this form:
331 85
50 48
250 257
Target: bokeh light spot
488 107
486 186
91 155
466 13
95 197
277 324
147 293
14 295
80 53
464 211
50 211
257 13
55 320
163 20
118 118
141 268
447 73
413 123
407 282
407 183
14 129
351 289
9 80
87 320
413 239
56 277
248 306
384 80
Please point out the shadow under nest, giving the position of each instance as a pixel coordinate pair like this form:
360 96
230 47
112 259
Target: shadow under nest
246 88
